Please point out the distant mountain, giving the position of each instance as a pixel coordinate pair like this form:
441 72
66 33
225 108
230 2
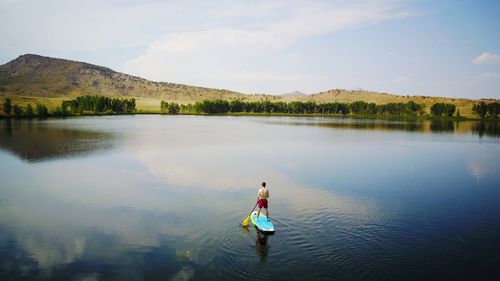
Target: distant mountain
32 78
38 76
294 94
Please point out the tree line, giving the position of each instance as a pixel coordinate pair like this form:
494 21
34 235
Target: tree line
446 109
17 111
490 110
297 107
103 105
169 108
79 106
98 104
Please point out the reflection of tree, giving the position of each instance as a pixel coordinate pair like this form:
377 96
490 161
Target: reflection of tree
443 125
488 128
485 127
375 125
7 128
38 140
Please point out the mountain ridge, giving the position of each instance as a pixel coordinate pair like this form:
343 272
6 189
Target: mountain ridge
55 77
32 77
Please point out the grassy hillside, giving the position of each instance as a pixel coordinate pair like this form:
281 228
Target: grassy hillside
38 76
34 78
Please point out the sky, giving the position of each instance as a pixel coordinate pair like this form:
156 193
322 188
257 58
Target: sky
413 47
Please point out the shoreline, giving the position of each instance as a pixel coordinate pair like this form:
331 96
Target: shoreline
349 116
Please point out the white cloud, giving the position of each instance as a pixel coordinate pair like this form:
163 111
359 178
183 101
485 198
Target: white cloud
254 59
487 58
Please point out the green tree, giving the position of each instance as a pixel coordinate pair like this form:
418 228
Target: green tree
438 109
18 111
163 106
57 111
236 106
7 106
212 106
29 110
64 108
173 108
480 109
493 109
413 108
41 110
449 109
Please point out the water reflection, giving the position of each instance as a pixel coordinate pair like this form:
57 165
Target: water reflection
488 128
166 201
36 140
92 255
440 126
261 246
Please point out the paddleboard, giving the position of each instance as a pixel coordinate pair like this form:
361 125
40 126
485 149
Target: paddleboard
262 223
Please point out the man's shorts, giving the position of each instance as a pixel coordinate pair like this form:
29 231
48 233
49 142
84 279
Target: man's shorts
262 203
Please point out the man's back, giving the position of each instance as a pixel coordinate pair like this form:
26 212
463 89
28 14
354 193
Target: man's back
263 193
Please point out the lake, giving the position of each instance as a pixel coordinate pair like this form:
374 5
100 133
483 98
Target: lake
151 197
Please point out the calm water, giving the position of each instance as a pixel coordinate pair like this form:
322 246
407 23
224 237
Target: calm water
161 198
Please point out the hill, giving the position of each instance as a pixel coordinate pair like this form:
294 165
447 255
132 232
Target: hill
33 78
294 94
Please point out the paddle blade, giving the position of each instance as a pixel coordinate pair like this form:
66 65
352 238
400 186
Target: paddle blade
245 221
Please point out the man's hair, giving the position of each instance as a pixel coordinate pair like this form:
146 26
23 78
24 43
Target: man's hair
264 184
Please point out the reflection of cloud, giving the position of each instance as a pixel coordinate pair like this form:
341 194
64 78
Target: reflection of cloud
215 167
216 171
48 251
165 182
478 170
184 274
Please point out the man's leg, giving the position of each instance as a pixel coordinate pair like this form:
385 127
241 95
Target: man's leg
267 213
258 213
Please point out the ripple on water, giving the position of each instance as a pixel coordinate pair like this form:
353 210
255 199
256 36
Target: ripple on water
325 243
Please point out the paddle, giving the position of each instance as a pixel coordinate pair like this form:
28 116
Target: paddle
245 221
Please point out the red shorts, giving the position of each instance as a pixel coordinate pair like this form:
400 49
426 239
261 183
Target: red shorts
262 203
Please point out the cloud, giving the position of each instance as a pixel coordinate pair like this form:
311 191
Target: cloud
250 59
487 58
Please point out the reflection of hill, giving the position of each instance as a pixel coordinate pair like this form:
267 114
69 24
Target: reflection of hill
37 141
491 129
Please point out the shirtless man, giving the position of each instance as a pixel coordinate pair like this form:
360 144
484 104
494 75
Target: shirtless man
262 197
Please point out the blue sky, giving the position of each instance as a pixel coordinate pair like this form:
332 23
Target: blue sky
414 47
